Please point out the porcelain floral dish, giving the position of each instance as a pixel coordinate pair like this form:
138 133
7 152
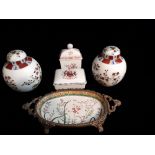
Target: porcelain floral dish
72 108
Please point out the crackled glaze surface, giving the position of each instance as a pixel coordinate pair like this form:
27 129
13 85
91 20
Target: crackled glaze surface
22 75
109 67
71 109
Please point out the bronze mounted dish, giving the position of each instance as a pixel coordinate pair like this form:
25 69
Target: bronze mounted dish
72 108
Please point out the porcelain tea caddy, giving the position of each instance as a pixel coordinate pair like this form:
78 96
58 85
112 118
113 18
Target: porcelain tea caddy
21 72
71 75
70 58
109 67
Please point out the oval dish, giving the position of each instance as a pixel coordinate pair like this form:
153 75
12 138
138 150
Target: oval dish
72 108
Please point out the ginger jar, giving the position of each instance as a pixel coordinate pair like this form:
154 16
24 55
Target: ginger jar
21 72
109 67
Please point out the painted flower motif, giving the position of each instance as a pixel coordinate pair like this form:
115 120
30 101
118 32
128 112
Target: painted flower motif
76 109
37 73
72 66
7 78
96 66
69 74
104 78
10 82
35 78
64 113
29 82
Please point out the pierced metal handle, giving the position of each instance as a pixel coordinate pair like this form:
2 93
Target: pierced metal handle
27 106
110 100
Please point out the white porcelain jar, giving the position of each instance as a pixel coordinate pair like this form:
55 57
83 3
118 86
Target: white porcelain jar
70 58
109 67
21 72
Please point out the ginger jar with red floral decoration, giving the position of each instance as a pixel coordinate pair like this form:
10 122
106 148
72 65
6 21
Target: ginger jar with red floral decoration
109 67
21 72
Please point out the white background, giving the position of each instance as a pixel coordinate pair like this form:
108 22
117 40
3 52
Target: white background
77 9
77 145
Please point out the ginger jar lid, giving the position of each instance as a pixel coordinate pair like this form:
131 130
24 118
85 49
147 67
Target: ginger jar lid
111 55
16 55
111 51
70 53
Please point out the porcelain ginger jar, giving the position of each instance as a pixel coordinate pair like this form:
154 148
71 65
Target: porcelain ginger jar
21 72
109 67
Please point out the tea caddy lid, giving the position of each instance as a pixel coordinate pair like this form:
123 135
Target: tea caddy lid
70 53
16 55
